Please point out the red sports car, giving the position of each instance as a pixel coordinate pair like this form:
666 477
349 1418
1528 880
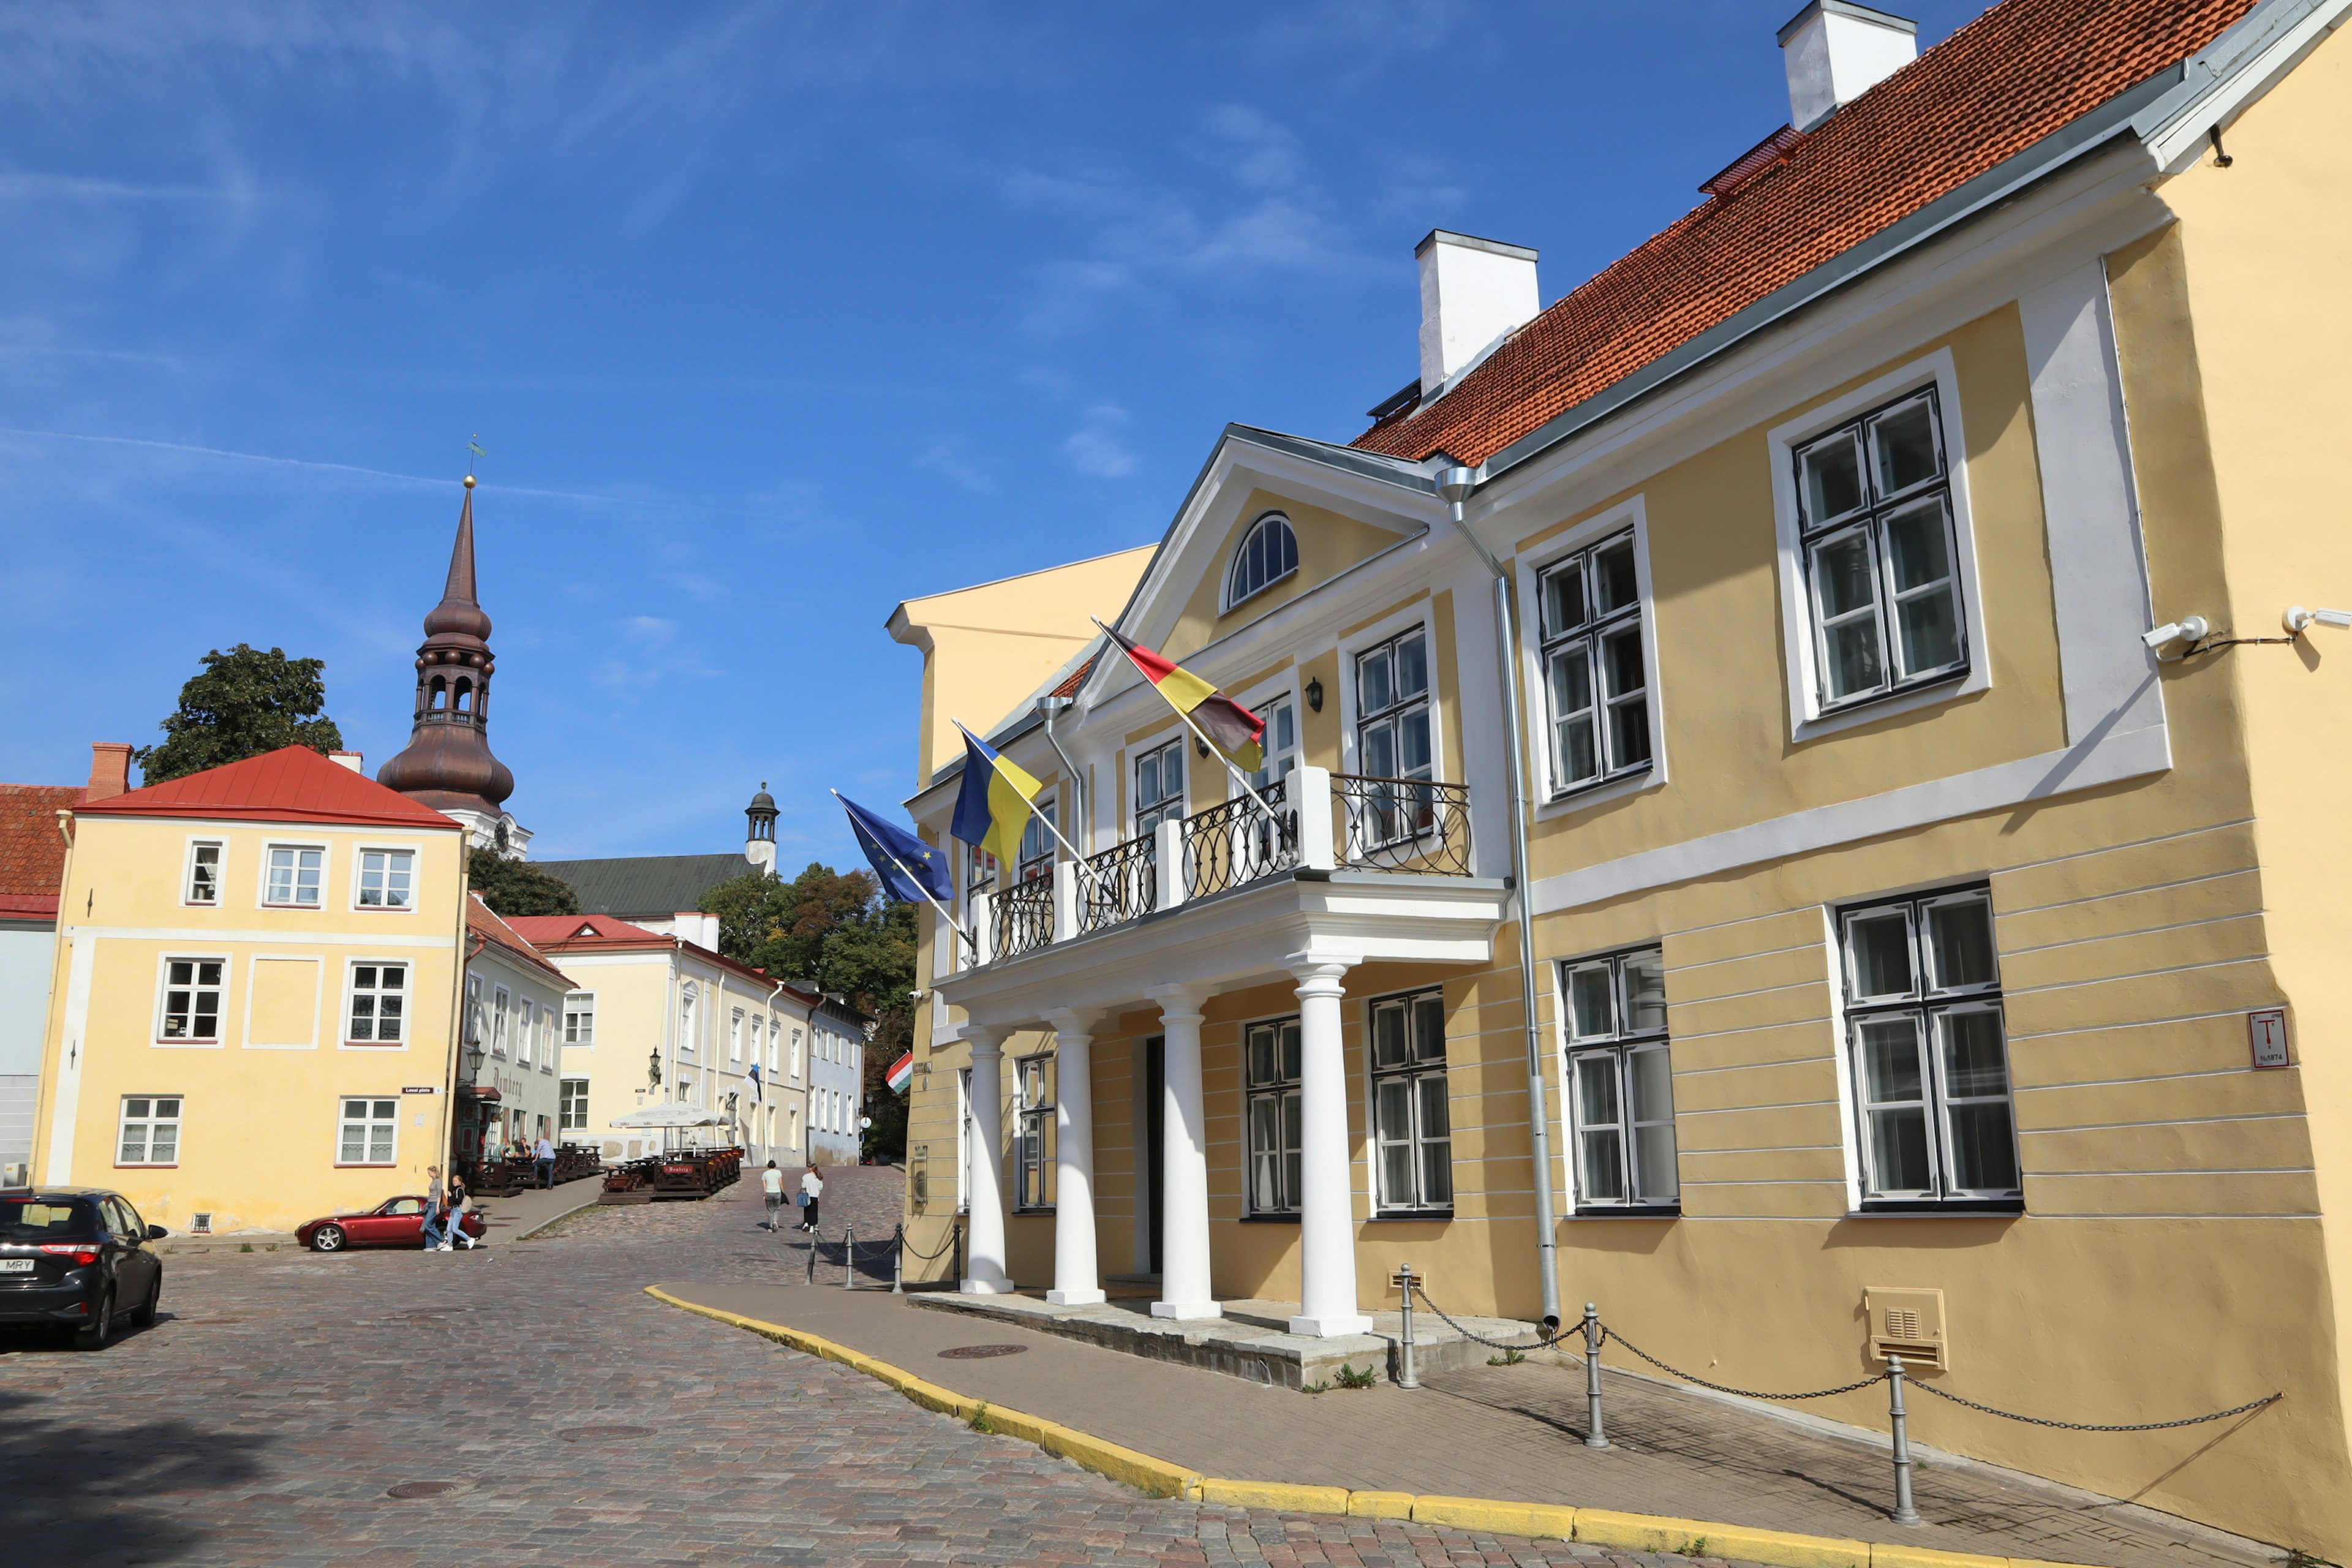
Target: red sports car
395 1221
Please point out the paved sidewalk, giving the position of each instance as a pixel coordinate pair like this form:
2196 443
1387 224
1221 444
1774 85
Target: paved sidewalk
1510 1433
517 1214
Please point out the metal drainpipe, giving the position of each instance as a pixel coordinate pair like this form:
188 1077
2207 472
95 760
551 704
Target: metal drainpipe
1049 706
1454 487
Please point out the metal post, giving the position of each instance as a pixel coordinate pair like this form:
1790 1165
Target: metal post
812 1264
848 1257
898 1261
1409 1375
1904 1512
956 1236
1595 1436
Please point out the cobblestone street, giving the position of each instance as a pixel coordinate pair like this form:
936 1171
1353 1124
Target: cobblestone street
560 1417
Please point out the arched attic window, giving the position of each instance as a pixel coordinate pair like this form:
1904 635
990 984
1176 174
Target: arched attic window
1268 553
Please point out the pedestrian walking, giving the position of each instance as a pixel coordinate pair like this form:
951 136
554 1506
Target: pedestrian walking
812 1189
436 1229
771 1183
460 1200
545 1153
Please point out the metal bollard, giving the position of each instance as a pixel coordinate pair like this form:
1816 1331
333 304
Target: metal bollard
1596 1436
898 1261
849 1257
812 1261
1904 1512
958 1236
1409 1376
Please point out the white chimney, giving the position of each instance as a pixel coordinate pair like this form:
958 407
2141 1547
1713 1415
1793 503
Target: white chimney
355 760
1836 51
1473 292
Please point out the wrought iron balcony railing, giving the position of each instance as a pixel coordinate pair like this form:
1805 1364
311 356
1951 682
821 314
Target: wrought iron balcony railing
1236 843
1021 918
1402 824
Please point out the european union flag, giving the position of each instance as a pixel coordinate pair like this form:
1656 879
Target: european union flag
910 868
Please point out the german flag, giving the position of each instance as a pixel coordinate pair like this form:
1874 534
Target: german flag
1229 727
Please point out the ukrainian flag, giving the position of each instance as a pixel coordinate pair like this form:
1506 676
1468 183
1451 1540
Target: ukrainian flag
994 808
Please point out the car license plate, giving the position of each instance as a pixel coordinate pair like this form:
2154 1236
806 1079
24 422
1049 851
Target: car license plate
16 1266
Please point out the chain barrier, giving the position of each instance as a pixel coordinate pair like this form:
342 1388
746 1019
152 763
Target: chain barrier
954 1231
1608 1334
2267 1399
1540 1344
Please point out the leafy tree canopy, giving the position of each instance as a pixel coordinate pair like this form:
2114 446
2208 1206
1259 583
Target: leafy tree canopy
517 886
834 928
243 703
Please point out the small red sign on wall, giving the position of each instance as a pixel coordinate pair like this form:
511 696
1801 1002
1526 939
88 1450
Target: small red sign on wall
2267 1031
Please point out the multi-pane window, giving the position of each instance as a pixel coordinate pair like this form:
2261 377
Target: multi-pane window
369 1131
387 879
1392 735
1281 741
580 1019
1411 1122
686 1018
735 1036
1158 786
1270 1059
572 1110
1595 676
1037 843
379 1004
204 873
473 1009
1268 553
1881 556
1033 1147
192 999
1621 1081
1930 1061
775 1046
500 1006
547 1038
297 873
150 1130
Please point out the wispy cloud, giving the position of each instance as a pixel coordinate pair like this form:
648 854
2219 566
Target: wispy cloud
1095 449
958 459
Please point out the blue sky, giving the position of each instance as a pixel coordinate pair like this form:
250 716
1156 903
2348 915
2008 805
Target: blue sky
770 316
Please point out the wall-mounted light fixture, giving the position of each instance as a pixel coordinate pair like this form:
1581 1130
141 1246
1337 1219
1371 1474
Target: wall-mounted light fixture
2299 620
1315 695
2190 629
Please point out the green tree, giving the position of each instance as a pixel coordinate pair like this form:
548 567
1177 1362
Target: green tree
517 886
243 703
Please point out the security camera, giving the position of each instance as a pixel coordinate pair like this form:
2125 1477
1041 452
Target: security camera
2299 619
2192 629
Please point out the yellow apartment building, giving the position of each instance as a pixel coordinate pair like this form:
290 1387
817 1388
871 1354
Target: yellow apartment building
252 1016
1911 571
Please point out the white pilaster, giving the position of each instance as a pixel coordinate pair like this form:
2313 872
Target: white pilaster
1327 1216
1184 1159
1074 1280
984 1272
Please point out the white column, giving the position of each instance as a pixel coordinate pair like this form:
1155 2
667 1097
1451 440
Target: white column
984 1273
1184 1162
1327 1204
1074 1280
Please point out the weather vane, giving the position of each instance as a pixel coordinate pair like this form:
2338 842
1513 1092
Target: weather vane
473 449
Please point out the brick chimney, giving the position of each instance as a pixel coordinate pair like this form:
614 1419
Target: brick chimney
109 771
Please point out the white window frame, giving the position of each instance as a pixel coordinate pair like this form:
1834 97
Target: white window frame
526 1027
220 874
360 853
1928 1002
1808 719
798 1039
344 1102
219 1038
269 858
1233 599
1617 1045
1176 745
351 995
1557 797
580 1007
569 1105
551 1039
1421 613
147 1122
1282 1089
501 1004
1033 1134
1413 1070
735 1036
689 996
1039 847
775 1045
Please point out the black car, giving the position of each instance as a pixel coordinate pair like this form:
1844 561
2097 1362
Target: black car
77 1258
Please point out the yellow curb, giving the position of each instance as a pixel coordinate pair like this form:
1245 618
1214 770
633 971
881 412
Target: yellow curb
1277 1495
1883 1556
1498 1517
1380 1505
1699 1538
1157 1478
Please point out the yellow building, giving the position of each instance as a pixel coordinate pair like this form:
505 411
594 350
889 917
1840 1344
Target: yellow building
1928 774
252 1016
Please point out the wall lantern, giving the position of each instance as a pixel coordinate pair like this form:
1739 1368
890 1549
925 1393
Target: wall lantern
1315 695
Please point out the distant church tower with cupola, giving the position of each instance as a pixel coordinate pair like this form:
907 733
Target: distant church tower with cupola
447 763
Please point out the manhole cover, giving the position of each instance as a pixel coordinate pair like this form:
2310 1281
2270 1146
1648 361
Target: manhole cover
423 1488
602 1434
980 1352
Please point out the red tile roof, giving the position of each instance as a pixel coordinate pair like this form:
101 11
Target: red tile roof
1078 678
2022 71
291 785
32 850
484 922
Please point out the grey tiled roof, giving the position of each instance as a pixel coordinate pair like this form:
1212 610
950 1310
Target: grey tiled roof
644 886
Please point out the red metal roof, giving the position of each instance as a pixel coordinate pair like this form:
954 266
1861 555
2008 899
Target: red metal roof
484 921
32 850
294 783
545 929
2018 73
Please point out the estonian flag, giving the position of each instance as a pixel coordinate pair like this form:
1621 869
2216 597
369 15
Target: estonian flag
994 806
758 1091
1230 727
910 868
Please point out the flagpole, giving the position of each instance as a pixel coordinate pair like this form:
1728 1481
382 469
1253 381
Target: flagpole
1239 777
1050 827
919 884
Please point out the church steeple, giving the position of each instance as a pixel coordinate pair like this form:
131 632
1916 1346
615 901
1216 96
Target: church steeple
447 764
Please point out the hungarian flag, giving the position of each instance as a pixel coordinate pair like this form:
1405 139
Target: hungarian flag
1229 727
901 1070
